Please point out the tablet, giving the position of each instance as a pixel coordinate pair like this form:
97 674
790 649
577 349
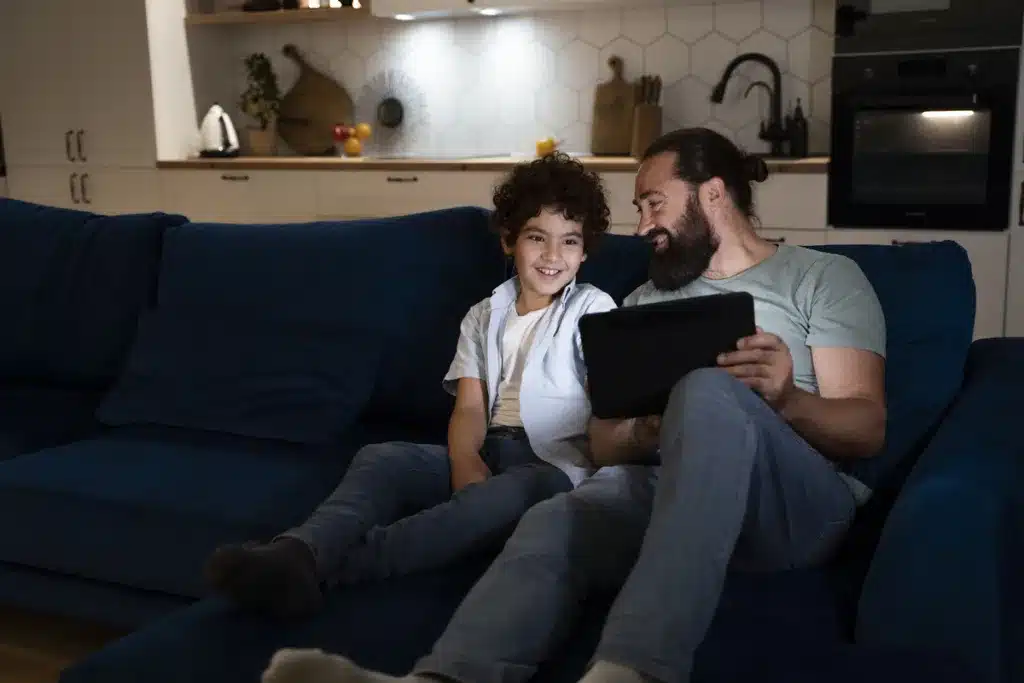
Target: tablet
636 354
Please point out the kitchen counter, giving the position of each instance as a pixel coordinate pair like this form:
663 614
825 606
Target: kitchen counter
497 163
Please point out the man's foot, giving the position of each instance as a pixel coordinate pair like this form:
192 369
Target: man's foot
608 672
317 666
278 578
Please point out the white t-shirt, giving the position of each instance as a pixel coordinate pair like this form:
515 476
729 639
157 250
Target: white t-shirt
515 344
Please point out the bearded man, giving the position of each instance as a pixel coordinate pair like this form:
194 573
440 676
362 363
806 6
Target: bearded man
748 457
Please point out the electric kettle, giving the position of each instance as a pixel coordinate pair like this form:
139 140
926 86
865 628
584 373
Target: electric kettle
217 134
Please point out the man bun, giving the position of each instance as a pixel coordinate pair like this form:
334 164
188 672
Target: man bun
755 169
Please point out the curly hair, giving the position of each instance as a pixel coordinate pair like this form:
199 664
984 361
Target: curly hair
556 182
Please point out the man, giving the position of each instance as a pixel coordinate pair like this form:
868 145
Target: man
750 453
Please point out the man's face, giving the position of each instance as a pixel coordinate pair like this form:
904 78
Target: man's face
674 222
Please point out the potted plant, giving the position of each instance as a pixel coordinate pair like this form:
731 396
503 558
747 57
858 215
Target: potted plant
261 101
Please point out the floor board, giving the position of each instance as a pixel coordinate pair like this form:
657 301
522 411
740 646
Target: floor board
36 648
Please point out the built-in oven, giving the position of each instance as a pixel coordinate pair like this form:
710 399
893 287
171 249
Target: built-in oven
868 26
923 140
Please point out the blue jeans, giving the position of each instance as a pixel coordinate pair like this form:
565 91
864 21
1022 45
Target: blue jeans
736 487
394 512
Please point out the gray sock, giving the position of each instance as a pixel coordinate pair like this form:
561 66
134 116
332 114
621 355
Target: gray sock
608 672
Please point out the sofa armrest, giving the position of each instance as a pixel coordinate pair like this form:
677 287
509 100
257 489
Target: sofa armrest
952 550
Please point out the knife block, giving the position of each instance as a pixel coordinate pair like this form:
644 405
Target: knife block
646 128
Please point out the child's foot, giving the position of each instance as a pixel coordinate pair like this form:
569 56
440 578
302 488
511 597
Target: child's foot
316 666
278 578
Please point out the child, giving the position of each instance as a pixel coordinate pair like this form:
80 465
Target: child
516 435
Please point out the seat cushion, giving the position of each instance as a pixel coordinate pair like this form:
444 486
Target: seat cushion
305 384
37 417
927 294
770 628
72 284
144 506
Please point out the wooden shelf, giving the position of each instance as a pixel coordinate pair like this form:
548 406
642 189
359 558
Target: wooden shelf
286 16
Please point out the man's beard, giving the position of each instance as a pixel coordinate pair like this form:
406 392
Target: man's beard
688 250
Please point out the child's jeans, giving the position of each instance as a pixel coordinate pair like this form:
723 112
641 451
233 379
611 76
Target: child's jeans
394 512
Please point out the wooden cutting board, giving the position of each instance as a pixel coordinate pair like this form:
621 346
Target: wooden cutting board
310 110
612 130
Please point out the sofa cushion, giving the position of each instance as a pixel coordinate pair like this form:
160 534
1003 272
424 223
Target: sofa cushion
404 282
927 294
71 286
305 384
144 506
37 417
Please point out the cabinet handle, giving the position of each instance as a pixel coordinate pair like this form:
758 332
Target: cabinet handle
81 147
1020 207
67 145
85 188
230 176
775 240
403 179
71 186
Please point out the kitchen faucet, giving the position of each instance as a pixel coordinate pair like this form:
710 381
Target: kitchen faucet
775 133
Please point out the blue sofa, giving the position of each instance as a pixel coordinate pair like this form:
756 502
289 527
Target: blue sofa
168 386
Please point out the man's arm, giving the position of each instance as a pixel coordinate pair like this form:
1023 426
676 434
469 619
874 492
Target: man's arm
847 418
467 430
621 442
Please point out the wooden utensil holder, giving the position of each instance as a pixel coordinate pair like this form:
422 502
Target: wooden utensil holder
646 128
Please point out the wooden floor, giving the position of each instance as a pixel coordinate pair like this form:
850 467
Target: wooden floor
34 648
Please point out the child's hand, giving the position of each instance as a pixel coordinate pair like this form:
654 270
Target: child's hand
467 470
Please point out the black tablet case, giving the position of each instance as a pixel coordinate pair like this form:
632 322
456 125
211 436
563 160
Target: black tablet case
636 354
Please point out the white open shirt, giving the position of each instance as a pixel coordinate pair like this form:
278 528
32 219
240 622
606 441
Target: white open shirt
553 401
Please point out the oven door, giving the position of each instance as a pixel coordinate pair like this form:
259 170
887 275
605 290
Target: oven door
935 161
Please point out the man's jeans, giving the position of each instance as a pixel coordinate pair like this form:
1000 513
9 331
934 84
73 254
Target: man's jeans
736 486
394 512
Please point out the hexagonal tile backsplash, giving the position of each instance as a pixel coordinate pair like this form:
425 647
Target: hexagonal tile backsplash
496 85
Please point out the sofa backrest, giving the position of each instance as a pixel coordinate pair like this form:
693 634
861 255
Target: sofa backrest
927 294
388 293
72 285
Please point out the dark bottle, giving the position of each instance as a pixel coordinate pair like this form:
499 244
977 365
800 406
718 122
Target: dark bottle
798 133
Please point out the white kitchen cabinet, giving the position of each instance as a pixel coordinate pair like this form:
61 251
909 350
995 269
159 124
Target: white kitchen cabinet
76 97
390 8
77 85
241 196
619 188
785 201
986 250
114 95
792 201
120 190
49 185
798 238
38 78
365 194
99 190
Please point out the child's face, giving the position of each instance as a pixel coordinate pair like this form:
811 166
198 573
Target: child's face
548 253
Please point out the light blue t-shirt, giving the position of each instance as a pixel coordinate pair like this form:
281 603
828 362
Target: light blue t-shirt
553 402
808 298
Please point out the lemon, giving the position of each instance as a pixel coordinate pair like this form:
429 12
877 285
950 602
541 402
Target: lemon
353 147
